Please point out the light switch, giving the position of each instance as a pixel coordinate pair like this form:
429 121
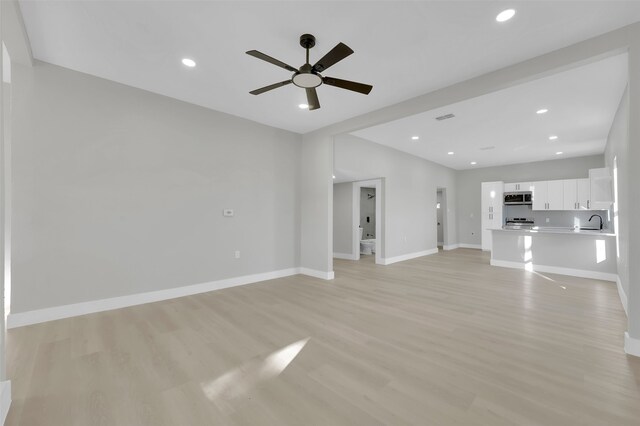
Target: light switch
227 212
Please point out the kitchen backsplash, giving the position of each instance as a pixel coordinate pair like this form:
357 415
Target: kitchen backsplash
557 218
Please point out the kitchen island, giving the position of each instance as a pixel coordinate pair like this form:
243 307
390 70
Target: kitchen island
587 254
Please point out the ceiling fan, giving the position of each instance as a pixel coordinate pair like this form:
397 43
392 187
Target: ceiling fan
308 76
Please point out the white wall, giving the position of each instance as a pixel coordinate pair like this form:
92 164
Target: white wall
469 182
343 218
618 147
119 191
409 192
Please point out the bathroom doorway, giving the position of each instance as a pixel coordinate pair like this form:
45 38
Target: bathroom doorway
367 220
441 217
367 227
358 222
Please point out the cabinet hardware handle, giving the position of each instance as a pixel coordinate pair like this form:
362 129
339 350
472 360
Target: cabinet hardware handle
588 203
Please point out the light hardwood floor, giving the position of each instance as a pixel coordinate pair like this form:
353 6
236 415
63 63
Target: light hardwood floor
440 340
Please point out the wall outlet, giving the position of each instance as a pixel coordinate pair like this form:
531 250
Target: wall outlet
547 220
237 254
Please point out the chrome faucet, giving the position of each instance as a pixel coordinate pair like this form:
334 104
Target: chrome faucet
599 217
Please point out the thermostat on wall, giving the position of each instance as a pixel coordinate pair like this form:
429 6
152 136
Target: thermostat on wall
227 212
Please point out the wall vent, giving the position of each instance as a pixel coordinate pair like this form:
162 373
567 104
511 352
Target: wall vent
445 117
487 148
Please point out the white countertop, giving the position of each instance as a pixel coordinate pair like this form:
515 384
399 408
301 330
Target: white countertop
559 230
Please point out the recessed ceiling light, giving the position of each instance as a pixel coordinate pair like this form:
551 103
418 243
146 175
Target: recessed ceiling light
415 138
559 153
334 176
542 111
450 153
505 15
188 62
473 163
553 138
303 106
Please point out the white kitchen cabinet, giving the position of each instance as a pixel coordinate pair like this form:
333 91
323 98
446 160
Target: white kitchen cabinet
584 194
555 195
577 194
491 215
517 187
539 196
570 194
601 188
548 195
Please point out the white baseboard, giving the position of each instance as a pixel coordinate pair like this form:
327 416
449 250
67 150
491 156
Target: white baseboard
66 311
470 246
5 400
631 345
581 273
390 260
622 294
347 256
317 274
451 247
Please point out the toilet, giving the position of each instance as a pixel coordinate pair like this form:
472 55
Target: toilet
366 246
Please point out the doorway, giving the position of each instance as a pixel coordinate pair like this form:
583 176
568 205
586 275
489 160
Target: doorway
367 238
441 217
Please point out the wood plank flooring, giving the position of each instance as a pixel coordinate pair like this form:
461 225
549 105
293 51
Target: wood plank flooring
439 340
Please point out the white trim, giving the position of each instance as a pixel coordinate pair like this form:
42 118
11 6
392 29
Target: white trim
451 247
347 256
622 294
631 345
5 400
66 311
470 246
323 275
582 273
390 260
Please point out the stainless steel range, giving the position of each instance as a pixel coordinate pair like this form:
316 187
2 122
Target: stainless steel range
519 223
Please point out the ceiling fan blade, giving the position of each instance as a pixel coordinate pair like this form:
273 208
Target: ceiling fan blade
335 55
271 60
270 87
312 99
349 85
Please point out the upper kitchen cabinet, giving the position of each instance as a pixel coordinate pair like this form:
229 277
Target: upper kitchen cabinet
548 195
601 188
577 194
517 187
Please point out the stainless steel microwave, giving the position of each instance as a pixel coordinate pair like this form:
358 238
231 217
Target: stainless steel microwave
518 198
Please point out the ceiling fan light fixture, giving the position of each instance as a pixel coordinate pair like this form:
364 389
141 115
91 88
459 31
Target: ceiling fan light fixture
307 80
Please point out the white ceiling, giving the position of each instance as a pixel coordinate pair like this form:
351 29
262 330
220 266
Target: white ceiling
582 103
403 48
